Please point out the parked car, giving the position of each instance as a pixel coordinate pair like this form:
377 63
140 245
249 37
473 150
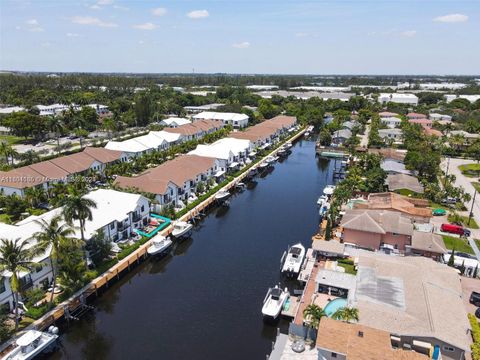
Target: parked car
450 200
455 229
475 298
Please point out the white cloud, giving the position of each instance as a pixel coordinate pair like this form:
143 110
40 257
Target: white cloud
409 33
301 34
241 45
141 42
95 7
33 26
120 7
89 20
72 34
159 11
452 18
145 26
105 2
198 14
46 44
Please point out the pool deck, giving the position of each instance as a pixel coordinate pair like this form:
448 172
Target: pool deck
293 308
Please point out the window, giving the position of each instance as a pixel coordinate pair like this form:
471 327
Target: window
143 208
448 348
334 355
112 226
39 268
2 285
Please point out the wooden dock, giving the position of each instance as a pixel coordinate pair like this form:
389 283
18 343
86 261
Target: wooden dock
115 272
292 308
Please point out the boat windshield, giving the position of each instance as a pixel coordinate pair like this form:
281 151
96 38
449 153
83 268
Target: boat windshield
276 293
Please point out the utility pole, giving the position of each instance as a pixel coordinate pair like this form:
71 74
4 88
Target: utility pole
448 165
471 209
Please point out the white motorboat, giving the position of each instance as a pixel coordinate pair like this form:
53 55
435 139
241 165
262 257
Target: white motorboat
181 229
282 151
222 195
269 159
33 343
293 260
159 245
252 172
329 189
241 186
322 200
288 145
324 209
276 158
274 301
263 165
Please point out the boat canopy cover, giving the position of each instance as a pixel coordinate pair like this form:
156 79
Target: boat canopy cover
29 337
219 173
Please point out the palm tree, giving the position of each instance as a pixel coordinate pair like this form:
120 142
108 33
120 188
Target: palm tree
346 314
50 235
35 195
55 124
77 207
8 151
14 258
312 315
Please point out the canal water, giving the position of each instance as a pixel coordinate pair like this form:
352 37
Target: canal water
204 301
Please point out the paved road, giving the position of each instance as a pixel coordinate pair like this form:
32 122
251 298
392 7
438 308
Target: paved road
364 137
465 183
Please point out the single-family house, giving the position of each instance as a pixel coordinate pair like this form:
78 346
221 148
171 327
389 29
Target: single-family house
403 181
422 121
413 115
195 130
394 167
339 137
395 135
391 122
387 114
372 229
440 117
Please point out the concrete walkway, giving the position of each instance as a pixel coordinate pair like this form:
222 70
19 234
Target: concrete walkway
466 183
364 137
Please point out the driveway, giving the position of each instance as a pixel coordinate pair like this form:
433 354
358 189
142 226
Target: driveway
364 137
469 285
465 183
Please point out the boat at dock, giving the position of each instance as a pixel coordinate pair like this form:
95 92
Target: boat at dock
160 245
293 260
273 302
322 199
264 165
33 343
324 209
222 195
269 159
253 172
181 229
329 189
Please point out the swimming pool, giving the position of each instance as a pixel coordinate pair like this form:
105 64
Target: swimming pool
163 225
335 305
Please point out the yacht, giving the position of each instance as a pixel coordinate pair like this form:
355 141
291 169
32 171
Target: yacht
222 195
159 245
293 260
33 343
253 172
273 302
329 190
181 229
282 151
288 145
324 209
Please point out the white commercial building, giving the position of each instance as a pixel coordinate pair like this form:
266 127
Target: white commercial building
441 86
471 98
234 119
398 98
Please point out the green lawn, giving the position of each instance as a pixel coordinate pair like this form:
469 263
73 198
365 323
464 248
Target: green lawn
471 170
476 185
434 206
11 140
458 244
464 221
4 218
347 265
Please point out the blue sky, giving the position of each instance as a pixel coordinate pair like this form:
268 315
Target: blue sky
242 36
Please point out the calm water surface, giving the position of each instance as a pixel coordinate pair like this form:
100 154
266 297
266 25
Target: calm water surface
204 301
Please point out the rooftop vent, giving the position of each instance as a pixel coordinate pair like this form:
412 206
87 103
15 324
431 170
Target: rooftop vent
360 334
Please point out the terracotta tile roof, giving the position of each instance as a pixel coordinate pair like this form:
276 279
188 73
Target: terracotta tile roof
389 153
432 132
427 241
21 178
422 121
413 115
176 171
195 128
404 181
49 170
103 155
266 128
74 163
373 344
387 114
